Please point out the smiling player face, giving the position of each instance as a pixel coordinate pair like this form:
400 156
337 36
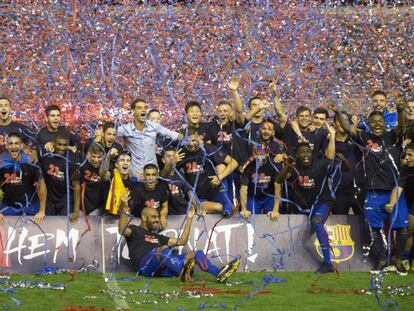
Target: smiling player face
150 177
304 155
194 115
140 111
61 146
5 109
304 119
224 113
123 164
377 124
14 145
109 137
193 143
95 159
267 131
319 120
379 103
151 219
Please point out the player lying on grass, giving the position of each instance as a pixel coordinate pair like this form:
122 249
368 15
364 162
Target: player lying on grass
153 254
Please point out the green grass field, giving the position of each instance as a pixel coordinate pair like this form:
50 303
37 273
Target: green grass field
86 289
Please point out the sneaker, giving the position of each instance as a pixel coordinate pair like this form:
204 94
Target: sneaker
187 270
383 269
401 270
406 264
325 268
228 270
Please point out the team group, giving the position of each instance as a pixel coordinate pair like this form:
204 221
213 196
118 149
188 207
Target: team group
250 163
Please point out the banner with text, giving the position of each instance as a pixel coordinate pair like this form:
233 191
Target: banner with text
289 244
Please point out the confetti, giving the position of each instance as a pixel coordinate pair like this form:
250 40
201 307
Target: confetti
93 59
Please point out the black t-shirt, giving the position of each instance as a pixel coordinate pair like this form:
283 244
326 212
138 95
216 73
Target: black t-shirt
260 181
132 185
344 180
253 131
96 190
227 138
317 140
311 184
177 195
150 198
275 146
406 181
44 136
141 242
19 184
202 130
382 158
14 127
55 175
202 164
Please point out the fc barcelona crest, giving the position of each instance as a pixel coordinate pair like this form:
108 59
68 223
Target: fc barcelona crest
340 242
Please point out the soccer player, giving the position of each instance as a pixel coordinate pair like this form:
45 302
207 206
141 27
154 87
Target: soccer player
152 193
179 194
140 137
407 177
61 173
383 150
19 180
349 186
310 191
193 114
123 166
199 165
379 104
46 136
256 113
259 171
152 254
320 117
8 126
106 138
301 130
95 190
257 189
154 115
409 121
223 132
161 141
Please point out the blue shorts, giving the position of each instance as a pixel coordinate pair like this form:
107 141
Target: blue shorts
260 205
164 264
376 214
222 198
31 209
321 210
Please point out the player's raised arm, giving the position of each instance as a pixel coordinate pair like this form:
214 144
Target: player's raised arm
183 239
125 216
279 109
233 85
